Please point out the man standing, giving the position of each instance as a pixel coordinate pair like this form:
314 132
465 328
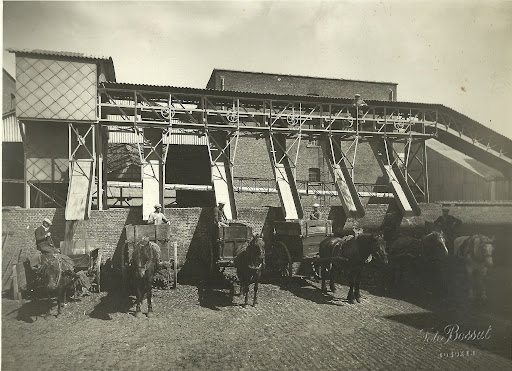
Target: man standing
447 223
43 236
315 215
157 217
219 217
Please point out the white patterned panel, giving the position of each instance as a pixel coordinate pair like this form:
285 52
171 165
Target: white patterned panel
55 89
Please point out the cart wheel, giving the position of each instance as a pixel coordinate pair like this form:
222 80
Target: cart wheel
283 260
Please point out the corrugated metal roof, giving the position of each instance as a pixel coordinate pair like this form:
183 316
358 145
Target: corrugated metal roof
108 61
299 76
10 128
58 53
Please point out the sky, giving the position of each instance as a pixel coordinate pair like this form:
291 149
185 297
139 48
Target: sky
456 53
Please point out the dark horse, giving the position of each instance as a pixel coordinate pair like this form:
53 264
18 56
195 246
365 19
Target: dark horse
350 253
59 277
144 264
249 262
405 251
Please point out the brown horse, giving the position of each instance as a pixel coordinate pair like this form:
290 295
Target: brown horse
407 250
59 277
351 253
144 264
249 263
477 253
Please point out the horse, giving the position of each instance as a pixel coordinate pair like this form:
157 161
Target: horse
58 276
477 253
144 264
249 263
353 252
405 251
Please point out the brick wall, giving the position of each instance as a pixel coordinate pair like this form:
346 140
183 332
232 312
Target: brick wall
192 226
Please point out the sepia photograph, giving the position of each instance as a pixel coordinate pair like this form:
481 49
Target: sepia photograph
256 185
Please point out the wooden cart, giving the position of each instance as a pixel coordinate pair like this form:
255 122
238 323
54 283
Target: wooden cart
161 235
229 241
297 241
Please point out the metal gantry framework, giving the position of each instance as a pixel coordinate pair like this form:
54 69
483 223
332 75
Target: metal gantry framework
283 121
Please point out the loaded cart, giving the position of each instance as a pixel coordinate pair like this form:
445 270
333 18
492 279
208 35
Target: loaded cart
297 241
161 235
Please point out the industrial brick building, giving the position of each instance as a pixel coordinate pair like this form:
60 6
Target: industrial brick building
36 173
268 145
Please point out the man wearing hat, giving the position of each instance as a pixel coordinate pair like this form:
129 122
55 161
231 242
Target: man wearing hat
219 217
447 223
43 236
157 217
315 215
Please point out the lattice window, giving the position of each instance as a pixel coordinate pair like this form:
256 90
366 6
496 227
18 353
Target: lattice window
55 89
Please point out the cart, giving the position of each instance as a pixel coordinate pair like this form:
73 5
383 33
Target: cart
297 241
226 244
161 235
229 240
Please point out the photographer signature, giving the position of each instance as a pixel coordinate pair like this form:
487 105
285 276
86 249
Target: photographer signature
455 333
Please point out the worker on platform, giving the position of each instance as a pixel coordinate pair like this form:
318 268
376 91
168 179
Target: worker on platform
448 224
44 242
219 217
315 215
157 217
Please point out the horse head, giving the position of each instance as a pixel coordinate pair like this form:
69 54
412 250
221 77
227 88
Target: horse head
435 243
142 257
379 247
483 249
256 252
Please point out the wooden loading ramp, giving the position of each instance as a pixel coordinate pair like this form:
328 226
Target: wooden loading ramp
78 204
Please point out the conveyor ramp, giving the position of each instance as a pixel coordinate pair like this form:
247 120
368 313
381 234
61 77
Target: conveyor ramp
78 205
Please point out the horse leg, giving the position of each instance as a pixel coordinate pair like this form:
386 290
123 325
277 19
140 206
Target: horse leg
246 293
332 284
323 274
150 296
471 282
48 293
255 299
480 277
357 294
350 296
138 299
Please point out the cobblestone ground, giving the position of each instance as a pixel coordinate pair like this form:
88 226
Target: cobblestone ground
295 328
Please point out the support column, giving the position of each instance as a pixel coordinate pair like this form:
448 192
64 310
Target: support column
383 150
285 180
100 189
221 172
153 181
343 181
82 159
26 186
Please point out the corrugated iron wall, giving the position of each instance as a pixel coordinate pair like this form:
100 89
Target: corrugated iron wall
176 137
451 181
11 129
